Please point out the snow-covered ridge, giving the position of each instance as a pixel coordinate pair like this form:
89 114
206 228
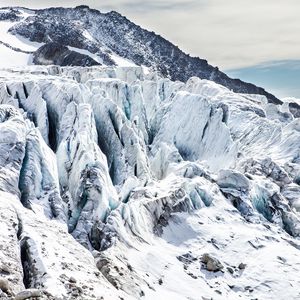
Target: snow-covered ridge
148 175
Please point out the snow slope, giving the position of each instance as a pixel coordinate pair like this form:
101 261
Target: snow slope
14 58
15 40
10 45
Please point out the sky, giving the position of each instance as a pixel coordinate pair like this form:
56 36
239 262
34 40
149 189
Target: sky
235 35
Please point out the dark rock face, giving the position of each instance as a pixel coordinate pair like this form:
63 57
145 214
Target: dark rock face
295 109
10 15
103 33
57 54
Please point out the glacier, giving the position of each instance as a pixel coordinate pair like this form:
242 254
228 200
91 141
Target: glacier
115 183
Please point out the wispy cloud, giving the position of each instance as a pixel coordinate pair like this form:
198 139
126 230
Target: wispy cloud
131 5
151 6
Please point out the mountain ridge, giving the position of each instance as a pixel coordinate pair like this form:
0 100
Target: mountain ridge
146 48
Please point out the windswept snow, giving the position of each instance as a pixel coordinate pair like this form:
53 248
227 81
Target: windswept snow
122 62
85 52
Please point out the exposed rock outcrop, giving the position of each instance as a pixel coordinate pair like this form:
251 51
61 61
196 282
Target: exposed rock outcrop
57 54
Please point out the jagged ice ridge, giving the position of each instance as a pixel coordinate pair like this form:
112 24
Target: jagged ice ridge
114 182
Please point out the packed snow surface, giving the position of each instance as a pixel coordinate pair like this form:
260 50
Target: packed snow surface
116 183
